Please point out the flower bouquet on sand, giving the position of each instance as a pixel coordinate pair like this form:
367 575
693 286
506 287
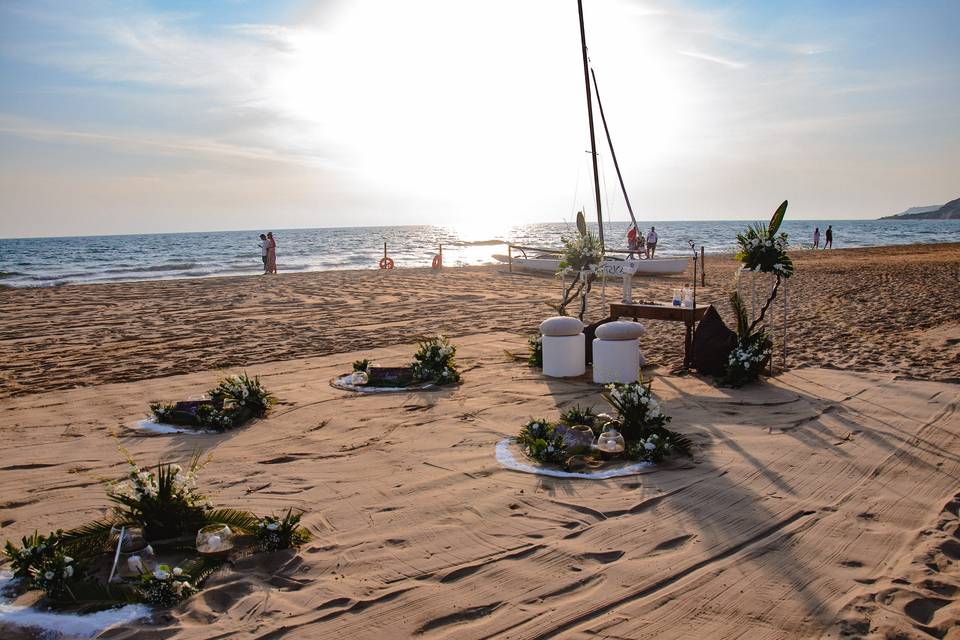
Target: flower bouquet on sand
434 366
636 433
233 402
146 550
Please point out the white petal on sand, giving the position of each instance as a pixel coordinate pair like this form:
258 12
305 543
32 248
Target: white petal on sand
159 427
506 459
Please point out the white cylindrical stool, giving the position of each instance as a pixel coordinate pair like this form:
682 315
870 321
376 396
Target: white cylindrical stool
616 352
564 347
564 356
616 361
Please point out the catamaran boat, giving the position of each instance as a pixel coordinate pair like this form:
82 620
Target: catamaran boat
551 264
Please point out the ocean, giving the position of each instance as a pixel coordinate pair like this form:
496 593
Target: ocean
33 262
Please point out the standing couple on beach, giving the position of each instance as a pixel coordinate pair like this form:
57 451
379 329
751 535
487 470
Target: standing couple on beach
268 252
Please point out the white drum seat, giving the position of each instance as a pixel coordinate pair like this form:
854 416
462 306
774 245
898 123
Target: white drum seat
564 356
615 360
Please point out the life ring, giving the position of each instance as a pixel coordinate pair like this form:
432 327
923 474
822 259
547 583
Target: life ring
437 261
386 263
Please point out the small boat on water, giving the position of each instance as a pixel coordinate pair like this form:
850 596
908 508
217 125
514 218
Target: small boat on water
653 266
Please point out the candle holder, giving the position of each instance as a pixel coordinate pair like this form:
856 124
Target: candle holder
611 441
134 556
577 437
215 540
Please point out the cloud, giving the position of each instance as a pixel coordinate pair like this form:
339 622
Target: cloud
732 64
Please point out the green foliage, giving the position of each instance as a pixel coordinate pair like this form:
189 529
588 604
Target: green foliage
659 444
435 361
242 393
540 441
580 252
274 533
237 520
361 365
747 360
777 219
34 551
581 223
579 415
162 411
535 358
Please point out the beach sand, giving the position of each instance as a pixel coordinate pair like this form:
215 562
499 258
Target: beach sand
821 503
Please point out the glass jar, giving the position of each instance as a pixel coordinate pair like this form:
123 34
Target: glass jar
579 436
135 556
611 440
215 539
359 378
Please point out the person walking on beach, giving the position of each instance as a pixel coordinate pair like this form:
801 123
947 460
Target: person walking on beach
816 238
828 243
271 253
651 242
264 251
634 241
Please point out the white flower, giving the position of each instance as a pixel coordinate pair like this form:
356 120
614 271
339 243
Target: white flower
67 559
273 526
177 571
649 446
161 574
68 571
49 575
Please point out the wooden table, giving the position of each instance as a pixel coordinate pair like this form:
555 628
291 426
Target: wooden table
661 312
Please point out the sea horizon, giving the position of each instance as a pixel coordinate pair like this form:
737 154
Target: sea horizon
50 261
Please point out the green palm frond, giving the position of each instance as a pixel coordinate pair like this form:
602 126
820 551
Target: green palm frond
94 537
237 520
87 596
202 568
743 320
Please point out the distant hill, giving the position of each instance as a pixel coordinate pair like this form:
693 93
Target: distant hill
949 211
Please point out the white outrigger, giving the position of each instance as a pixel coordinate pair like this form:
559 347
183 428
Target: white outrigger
612 268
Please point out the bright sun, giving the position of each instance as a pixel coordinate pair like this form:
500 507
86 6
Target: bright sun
478 113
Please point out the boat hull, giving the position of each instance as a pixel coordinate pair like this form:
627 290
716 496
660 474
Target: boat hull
653 266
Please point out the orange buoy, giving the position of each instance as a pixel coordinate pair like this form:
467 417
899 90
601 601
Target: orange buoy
437 261
386 263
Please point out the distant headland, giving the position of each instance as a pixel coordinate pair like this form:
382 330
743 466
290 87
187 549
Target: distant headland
949 211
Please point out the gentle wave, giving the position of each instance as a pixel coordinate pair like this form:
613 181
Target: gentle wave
54 261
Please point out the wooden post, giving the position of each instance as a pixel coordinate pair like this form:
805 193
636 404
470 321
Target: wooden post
384 249
784 363
510 257
703 268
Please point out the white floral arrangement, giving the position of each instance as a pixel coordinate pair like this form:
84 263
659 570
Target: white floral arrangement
748 359
760 248
165 586
275 533
434 361
145 485
637 408
653 448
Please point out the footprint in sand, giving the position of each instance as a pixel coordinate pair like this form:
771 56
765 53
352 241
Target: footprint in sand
923 609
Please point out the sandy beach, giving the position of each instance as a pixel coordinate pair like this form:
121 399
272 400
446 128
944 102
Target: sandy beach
885 309
822 503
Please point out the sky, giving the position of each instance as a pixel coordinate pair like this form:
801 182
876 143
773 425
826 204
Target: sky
139 116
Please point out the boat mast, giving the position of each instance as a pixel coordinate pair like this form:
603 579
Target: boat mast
613 154
593 140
